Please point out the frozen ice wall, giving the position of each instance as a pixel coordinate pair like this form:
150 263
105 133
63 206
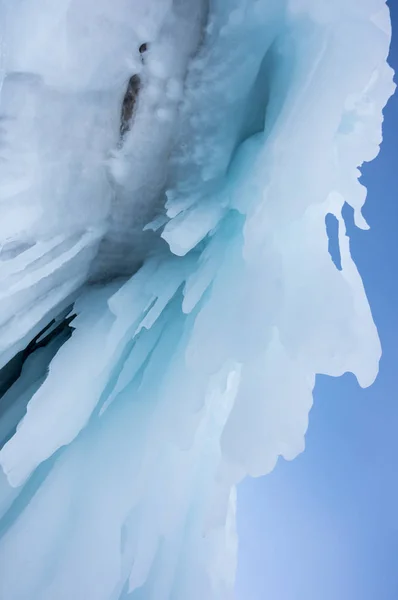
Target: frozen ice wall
212 301
64 71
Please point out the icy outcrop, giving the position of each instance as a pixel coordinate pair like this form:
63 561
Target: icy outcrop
64 182
249 128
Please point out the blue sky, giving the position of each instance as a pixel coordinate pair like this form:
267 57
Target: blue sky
325 527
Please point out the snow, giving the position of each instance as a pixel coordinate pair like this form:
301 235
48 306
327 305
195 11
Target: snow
212 300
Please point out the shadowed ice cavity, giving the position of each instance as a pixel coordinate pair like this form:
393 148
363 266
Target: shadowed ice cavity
252 122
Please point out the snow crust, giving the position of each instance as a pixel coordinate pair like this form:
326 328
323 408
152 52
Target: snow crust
198 369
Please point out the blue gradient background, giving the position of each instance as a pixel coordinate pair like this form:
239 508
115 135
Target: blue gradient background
325 527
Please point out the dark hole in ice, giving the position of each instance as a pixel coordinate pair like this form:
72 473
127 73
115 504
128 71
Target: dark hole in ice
24 373
332 230
129 102
143 48
130 97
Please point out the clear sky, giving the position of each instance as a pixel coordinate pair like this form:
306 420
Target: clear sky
325 527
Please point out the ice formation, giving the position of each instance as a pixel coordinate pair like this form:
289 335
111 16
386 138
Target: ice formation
167 295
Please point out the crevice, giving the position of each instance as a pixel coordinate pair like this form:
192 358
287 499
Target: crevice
13 369
258 98
262 111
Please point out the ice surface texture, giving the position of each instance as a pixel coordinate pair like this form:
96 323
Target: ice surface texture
213 301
